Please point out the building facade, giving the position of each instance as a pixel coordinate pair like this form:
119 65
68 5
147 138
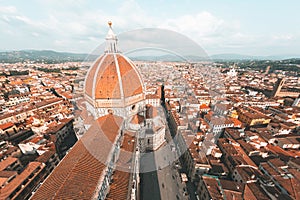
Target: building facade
104 163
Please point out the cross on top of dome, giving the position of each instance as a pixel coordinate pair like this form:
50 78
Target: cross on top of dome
111 40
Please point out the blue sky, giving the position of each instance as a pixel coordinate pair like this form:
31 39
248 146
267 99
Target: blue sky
249 27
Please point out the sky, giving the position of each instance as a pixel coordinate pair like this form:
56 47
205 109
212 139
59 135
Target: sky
250 27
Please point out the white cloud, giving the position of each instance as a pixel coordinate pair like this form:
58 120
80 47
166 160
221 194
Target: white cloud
7 9
70 25
201 24
283 37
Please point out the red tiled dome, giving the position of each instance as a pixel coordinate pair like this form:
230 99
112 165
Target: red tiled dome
113 76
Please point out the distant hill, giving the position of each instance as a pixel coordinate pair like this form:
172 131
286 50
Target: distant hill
49 56
171 58
247 57
46 56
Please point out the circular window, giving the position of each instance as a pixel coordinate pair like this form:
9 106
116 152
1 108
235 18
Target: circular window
133 107
110 111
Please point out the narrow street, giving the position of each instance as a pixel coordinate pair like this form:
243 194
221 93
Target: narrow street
163 183
149 180
161 177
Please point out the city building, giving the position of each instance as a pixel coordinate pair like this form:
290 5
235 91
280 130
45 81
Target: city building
211 187
251 116
118 129
113 84
277 87
106 159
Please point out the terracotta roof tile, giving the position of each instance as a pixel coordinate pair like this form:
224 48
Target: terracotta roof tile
8 161
130 78
32 168
78 174
6 125
89 78
119 189
107 83
137 119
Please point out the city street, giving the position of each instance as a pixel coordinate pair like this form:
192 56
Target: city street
165 182
169 179
149 181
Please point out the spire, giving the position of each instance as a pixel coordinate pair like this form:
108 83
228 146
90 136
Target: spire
111 40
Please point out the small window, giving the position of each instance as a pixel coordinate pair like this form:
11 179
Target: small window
133 107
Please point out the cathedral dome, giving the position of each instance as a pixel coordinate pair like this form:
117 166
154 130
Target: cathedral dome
113 76
113 80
